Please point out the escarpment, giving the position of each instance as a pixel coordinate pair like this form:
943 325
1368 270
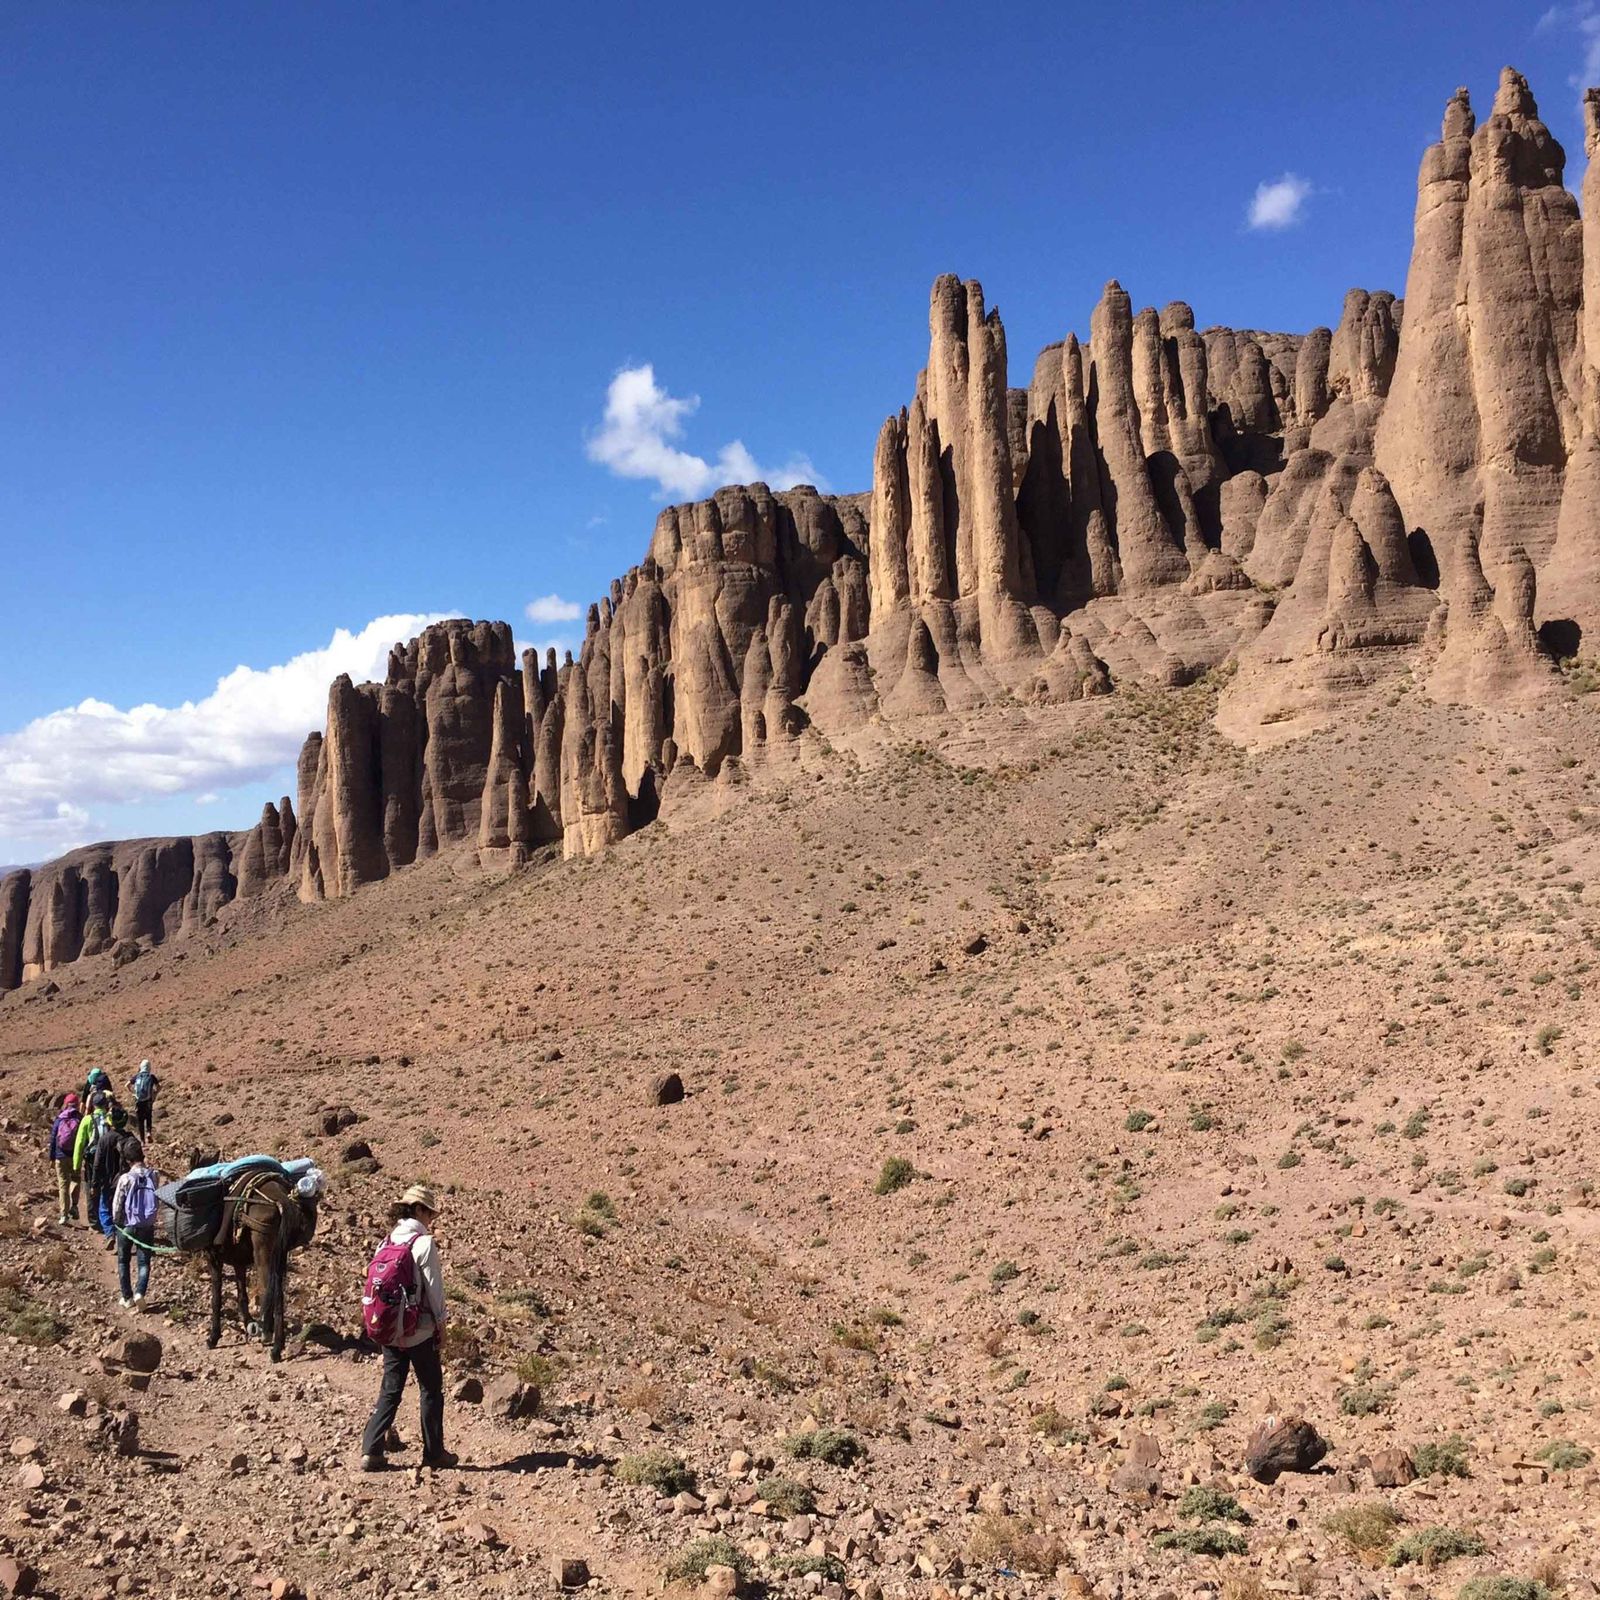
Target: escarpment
1412 488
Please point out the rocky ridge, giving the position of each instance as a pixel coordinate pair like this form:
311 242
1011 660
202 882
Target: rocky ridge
1413 490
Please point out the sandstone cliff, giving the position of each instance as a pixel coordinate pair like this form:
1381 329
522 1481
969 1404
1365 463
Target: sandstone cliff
1413 489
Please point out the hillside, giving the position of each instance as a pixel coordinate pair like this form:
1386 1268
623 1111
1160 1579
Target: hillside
1345 980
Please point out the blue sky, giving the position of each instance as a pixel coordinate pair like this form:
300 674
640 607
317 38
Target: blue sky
311 312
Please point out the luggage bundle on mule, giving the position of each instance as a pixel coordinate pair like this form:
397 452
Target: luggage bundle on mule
192 1214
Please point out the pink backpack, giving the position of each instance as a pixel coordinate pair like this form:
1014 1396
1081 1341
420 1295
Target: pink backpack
391 1306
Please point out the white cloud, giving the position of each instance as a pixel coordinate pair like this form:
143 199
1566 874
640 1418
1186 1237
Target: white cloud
1279 204
635 440
57 768
552 608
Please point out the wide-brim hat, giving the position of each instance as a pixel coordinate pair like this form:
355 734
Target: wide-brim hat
419 1194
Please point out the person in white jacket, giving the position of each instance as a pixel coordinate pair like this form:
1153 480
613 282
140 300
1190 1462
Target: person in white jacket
413 1216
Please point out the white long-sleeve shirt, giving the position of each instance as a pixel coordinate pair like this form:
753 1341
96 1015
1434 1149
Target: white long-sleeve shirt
430 1279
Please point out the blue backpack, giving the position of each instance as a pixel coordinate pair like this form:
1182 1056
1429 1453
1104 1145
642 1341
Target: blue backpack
139 1204
144 1084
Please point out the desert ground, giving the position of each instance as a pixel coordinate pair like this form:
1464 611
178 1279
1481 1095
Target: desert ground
1067 1089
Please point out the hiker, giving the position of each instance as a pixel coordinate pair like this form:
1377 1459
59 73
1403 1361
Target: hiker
95 1082
145 1084
89 1126
63 1135
404 1311
133 1213
107 1163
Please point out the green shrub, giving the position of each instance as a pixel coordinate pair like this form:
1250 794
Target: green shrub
895 1173
831 1568
1562 1455
1368 1528
1442 1459
1053 1425
25 1319
1138 1121
833 1445
1504 1589
1004 1272
1432 1547
786 1497
690 1563
1363 1401
658 1469
1202 1541
1202 1504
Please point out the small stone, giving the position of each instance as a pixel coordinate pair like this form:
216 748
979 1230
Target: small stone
721 1583
738 1464
239 1464
1392 1469
30 1477
24 1446
666 1089
482 1533
569 1572
16 1577
138 1352
74 1403
469 1392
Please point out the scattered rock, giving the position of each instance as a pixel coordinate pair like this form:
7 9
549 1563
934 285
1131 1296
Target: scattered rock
16 1577
469 1392
1282 1444
569 1572
1392 1469
138 1352
666 1089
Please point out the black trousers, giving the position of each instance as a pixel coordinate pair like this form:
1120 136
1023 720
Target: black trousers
144 1114
422 1359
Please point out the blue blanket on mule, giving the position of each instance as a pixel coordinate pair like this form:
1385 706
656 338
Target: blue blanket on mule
226 1170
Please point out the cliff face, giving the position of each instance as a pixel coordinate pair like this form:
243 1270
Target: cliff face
1414 489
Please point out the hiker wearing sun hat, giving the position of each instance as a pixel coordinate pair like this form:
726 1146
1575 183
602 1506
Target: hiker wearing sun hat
403 1309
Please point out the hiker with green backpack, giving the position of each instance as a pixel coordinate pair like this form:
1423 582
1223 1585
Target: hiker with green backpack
133 1212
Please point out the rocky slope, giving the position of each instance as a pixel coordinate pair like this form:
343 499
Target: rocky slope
1411 491
1215 1081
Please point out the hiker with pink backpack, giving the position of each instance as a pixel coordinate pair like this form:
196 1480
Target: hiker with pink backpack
403 1312
133 1214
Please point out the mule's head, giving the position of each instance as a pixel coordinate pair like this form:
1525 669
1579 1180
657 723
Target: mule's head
203 1158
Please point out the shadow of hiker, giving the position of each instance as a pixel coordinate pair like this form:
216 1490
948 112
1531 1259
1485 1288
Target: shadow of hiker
534 1460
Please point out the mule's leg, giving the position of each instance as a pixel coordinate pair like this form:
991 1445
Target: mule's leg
261 1262
241 1278
214 1264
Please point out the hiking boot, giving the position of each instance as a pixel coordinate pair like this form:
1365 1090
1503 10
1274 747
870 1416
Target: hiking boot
111 1243
61 1221
445 1458
127 1304
138 1302
374 1464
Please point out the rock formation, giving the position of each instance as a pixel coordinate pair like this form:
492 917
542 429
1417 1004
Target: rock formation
1412 488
